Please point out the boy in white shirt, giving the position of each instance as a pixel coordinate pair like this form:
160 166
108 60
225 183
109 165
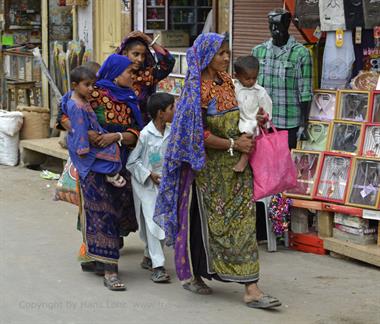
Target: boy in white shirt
251 97
145 164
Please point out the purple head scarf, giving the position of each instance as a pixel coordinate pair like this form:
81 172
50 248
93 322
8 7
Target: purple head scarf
186 142
112 67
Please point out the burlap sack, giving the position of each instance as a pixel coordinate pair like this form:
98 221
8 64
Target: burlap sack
36 122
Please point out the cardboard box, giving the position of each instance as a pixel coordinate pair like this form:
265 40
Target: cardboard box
173 38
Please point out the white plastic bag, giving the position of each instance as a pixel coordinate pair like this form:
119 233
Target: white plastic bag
10 125
10 122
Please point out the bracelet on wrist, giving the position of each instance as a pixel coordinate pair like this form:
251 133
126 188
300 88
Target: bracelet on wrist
119 141
232 145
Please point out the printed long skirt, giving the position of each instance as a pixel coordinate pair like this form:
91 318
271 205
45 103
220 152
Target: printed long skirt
102 217
226 210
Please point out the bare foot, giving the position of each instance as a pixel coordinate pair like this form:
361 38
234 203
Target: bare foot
242 164
252 292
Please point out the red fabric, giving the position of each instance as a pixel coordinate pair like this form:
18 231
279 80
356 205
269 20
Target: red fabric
273 168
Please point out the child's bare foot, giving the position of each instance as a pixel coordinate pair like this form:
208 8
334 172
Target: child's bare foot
242 164
117 180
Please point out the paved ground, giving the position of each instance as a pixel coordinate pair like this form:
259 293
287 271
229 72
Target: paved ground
40 280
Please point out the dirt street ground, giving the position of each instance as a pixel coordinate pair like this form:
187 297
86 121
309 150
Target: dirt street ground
41 282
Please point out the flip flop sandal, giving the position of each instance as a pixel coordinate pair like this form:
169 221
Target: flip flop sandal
264 302
198 288
114 283
160 276
146 264
45 174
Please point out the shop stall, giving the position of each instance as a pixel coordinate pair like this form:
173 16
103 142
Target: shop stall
337 197
21 33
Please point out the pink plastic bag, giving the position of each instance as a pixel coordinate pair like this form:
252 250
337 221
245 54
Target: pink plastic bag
272 165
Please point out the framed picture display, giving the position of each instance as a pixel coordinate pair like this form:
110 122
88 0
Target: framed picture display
353 105
318 136
333 177
323 105
365 183
307 165
375 106
371 141
345 137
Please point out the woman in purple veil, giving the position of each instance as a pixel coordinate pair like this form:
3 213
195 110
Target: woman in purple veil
206 208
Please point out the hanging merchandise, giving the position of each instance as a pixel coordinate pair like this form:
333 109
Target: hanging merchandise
332 15
337 62
279 214
307 13
371 11
353 13
365 81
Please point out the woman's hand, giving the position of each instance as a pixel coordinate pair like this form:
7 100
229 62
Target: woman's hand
104 140
156 178
92 137
244 144
140 34
66 124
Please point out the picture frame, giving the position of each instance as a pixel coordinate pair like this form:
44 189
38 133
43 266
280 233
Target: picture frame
323 105
375 106
353 105
370 146
307 165
318 133
364 188
333 177
345 137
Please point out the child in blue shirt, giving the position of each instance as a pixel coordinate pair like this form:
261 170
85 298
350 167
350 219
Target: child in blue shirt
86 158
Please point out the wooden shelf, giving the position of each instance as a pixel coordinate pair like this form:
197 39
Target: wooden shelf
366 253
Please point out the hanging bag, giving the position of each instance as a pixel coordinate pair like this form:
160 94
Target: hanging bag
272 165
68 185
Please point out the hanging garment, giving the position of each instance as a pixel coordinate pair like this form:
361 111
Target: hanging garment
337 62
371 11
323 106
353 13
307 13
332 15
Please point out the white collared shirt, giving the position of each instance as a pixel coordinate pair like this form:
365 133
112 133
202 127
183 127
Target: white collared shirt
147 157
250 100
